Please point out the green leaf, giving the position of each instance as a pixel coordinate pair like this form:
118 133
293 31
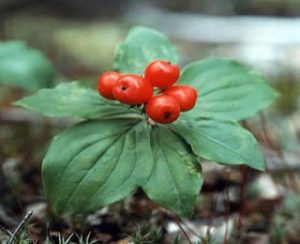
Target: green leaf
223 142
96 163
24 67
73 100
227 90
142 46
176 179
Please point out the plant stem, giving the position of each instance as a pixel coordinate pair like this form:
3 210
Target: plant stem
243 173
151 122
227 208
182 229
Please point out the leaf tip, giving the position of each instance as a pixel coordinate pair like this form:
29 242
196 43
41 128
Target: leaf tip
18 103
276 94
260 167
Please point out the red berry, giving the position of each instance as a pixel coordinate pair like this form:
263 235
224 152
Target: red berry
106 83
163 109
162 74
132 90
186 96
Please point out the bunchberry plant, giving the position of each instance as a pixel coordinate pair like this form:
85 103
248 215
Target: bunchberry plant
115 148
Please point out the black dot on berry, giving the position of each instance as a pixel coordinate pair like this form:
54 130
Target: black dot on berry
167 115
123 88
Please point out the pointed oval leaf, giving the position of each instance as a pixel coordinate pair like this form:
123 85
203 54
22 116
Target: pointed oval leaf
222 142
96 163
73 100
176 179
142 46
227 90
24 67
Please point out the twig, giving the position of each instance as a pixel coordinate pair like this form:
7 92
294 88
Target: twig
243 172
189 228
227 208
182 229
19 227
212 210
272 143
275 146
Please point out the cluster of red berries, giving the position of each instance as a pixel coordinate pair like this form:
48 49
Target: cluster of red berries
165 107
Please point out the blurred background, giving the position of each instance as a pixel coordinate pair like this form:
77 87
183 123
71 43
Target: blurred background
79 38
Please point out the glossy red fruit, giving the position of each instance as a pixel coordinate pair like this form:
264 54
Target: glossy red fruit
163 109
186 96
106 82
162 74
132 90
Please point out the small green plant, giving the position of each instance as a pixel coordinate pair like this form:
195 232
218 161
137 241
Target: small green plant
144 235
114 149
79 239
20 234
285 223
86 240
21 237
24 67
61 239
